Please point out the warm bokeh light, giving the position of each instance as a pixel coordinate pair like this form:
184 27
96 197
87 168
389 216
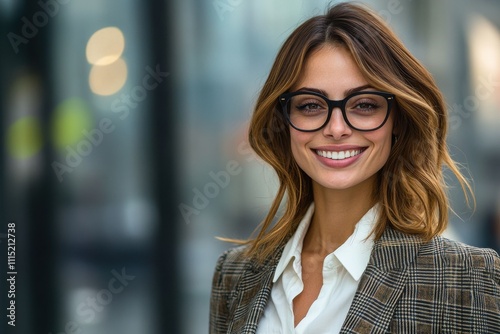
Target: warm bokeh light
70 119
24 138
484 51
109 79
484 39
105 46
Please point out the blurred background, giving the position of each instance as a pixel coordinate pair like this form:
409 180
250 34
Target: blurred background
124 149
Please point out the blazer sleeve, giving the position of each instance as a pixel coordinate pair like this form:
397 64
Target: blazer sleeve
486 290
218 299
228 270
477 310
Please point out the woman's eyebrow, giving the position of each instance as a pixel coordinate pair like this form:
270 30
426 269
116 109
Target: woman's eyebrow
309 89
346 93
356 89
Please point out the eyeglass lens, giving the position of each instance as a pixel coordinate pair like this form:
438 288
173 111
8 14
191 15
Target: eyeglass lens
364 111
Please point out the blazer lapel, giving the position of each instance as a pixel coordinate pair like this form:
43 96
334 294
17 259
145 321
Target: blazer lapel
251 296
382 283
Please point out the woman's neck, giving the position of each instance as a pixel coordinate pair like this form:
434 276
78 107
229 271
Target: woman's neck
336 214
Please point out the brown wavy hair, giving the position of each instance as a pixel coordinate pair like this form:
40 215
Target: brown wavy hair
411 189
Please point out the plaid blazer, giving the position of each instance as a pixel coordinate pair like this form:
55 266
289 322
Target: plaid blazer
409 286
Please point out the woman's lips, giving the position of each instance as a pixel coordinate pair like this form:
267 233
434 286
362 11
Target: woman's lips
339 157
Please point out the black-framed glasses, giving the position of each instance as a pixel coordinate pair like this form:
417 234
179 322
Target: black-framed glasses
310 111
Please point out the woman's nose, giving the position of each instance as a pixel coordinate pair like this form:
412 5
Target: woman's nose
337 126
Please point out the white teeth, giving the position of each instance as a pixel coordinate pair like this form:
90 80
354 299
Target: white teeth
338 155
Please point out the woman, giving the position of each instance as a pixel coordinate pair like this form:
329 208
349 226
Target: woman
355 129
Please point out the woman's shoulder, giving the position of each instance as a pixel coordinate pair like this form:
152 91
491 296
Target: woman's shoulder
456 249
233 259
234 264
455 254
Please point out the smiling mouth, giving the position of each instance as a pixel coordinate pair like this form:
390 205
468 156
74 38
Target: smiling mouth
339 155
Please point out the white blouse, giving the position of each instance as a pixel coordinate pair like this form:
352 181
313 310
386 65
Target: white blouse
342 271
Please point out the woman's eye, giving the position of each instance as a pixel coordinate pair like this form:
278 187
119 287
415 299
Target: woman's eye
366 105
309 106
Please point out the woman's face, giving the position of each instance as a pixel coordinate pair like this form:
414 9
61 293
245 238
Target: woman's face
332 70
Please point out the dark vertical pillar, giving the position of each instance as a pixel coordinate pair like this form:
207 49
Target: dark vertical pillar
4 48
164 151
40 195
32 207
